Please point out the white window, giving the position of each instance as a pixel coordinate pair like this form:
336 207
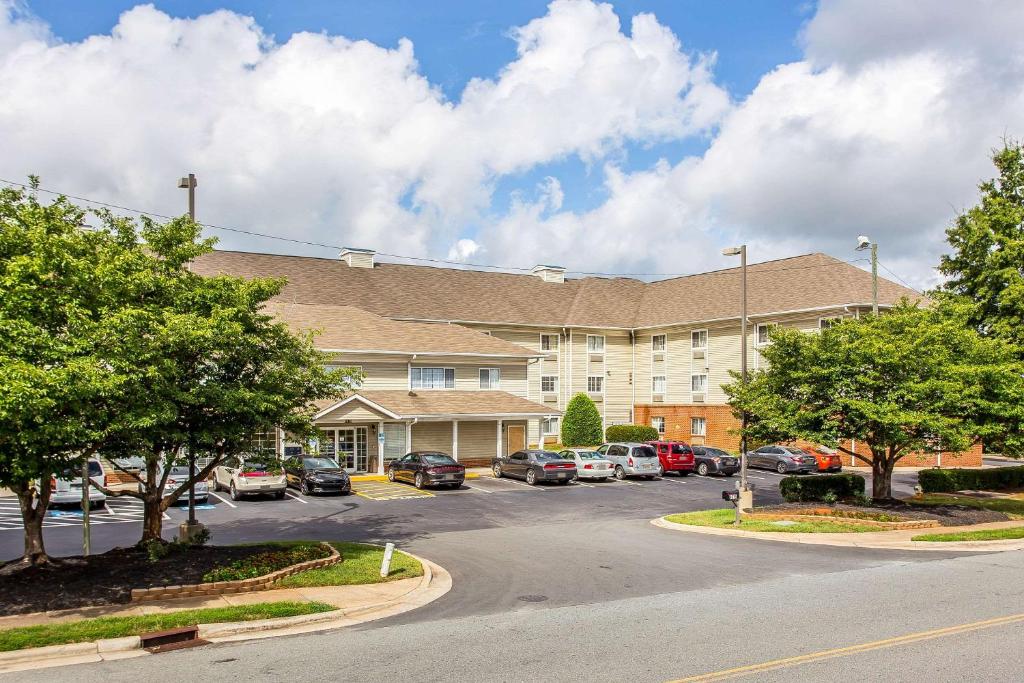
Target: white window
698 426
659 424
549 425
658 343
595 343
699 339
825 323
490 378
699 383
549 384
658 384
595 384
761 338
549 342
432 378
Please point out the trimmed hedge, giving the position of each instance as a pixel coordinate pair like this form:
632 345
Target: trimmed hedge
994 479
638 433
581 423
815 488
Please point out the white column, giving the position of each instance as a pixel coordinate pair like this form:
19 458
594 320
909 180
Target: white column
408 437
499 439
380 449
455 440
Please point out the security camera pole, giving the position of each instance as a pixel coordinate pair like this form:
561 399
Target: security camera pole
746 499
864 242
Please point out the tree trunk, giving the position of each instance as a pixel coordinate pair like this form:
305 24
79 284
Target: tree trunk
153 517
33 505
881 475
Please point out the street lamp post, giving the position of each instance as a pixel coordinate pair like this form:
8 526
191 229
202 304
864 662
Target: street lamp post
746 499
864 242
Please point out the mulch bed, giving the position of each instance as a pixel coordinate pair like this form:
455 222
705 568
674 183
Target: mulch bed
108 579
945 515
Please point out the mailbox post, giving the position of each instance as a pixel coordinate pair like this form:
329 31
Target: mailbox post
740 498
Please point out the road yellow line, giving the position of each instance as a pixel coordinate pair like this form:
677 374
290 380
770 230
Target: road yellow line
739 671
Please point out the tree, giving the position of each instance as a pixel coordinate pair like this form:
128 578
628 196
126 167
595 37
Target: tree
901 382
581 423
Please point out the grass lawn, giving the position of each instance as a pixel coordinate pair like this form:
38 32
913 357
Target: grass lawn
89 630
980 535
1011 506
723 519
361 564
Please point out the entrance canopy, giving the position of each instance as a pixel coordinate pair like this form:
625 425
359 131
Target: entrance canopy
434 405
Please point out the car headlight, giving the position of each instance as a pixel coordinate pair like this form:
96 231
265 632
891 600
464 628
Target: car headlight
315 480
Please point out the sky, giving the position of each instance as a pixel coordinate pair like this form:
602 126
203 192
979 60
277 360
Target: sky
633 137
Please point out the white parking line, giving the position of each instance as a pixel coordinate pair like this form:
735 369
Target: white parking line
223 500
477 488
673 480
304 502
589 486
522 483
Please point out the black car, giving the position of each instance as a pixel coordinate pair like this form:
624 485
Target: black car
311 474
535 466
427 468
708 460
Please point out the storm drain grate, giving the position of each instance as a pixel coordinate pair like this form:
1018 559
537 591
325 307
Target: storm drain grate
532 598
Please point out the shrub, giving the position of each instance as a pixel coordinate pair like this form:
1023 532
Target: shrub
631 433
581 423
994 479
822 487
262 564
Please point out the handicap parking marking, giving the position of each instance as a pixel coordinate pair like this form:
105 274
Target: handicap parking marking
388 491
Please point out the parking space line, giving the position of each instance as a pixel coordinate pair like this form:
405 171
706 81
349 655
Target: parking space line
673 480
589 486
223 500
304 502
522 483
477 488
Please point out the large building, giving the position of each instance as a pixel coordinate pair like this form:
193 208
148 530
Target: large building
476 363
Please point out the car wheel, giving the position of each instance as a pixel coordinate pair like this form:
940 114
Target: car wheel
531 477
781 468
391 475
702 469
620 473
496 468
418 483
304 487
661 471
234 492
279 495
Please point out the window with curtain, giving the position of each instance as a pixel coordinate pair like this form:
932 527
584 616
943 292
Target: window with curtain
432 378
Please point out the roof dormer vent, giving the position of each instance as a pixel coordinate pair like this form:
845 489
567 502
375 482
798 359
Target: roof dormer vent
549 273
357 258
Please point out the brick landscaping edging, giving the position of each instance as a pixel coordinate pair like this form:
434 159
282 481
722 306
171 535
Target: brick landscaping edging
259 583
908 524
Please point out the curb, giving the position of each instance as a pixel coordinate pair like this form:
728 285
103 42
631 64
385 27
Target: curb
71 653
833 540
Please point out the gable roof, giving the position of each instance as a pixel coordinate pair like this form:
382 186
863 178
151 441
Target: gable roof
351 329
402 404
393 290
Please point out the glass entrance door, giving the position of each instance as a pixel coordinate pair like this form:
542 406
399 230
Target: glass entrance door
352 448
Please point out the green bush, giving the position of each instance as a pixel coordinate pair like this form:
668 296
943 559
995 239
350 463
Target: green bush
581 423
994 479
639 433
262 564
821 488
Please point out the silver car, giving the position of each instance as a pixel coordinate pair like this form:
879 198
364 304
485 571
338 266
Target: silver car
631 459
782 459
589 464
67 488
177 476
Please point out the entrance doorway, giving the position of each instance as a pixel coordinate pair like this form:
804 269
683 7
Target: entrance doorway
515 436
347 445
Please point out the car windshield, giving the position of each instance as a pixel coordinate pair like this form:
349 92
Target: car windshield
319 464
76 472
547 455
644 452
716 452
794 451
680 448
179 471
588 455
438 459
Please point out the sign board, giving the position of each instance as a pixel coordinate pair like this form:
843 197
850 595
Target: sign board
380 437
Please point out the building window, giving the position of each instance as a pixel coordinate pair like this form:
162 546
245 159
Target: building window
761 337
263 443
659 424
432 378
699 383
658 384
595 343
595 384
490 378
699 339
825 323
549 342
698 426
658 343
549 425
549 384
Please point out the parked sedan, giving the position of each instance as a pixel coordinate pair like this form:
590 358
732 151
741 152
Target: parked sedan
317 475
242 477
67 488
535 466
715 461
177 476
782 459
427 468
828 460
589 464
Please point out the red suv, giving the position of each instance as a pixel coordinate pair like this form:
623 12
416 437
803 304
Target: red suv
674 456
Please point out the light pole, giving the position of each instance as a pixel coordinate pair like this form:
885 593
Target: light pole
864 242
746 498
191 526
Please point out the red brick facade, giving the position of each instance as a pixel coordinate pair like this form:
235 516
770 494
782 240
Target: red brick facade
720 427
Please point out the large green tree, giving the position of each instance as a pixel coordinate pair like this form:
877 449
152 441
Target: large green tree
909 380
581 423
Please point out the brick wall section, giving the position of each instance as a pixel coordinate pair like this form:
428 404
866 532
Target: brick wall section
721 425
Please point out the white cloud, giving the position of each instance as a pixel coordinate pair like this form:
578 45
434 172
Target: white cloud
463 250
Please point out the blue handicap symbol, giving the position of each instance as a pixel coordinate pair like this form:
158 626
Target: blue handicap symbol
63 513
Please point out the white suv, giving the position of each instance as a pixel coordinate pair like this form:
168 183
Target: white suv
631 459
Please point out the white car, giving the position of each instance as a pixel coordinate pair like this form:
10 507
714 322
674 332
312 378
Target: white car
67 488
589 464
243 478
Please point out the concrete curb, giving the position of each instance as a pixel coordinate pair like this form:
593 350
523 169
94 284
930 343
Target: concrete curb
435 582
837 540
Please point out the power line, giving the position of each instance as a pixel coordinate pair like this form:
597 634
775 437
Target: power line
904 282
253 233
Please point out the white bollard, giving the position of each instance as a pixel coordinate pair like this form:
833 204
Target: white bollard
385 566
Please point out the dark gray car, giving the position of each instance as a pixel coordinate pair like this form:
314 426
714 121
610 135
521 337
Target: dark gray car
782 459
535 466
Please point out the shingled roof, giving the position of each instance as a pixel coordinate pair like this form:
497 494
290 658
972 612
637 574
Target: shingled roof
808 282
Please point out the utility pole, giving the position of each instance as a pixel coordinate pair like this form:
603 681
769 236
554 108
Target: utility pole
746 499
864 242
